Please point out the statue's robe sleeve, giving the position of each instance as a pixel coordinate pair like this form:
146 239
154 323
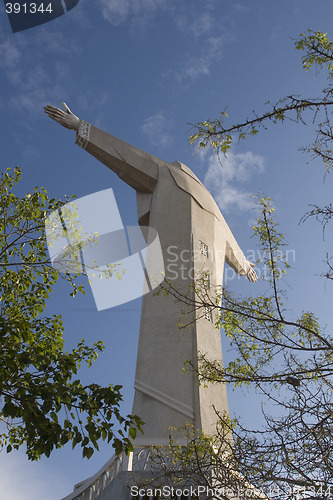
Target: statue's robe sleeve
135 167
234 256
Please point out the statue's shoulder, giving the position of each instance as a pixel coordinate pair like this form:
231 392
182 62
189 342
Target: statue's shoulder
186 170
189 182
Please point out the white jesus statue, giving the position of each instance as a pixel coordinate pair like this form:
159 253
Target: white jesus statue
194 238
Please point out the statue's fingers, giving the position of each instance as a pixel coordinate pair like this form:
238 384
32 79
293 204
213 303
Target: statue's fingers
50 107
55 113
252 276
49 113
56 117
52 112
65 108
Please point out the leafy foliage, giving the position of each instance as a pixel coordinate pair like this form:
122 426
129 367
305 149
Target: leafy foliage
43 403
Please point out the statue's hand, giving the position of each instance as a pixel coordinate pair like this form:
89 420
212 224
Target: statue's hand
250 272
66 118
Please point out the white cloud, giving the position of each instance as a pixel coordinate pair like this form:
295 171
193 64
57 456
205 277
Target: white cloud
195 23
120 11
190 68
157 128
116 11
241 8
225 176
198 24
34 84
10 55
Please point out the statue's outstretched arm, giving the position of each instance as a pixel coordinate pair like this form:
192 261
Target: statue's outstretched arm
237 260
133 166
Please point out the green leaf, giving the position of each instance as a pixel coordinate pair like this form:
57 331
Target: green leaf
132 432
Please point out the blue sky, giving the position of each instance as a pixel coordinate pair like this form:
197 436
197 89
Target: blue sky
144 70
